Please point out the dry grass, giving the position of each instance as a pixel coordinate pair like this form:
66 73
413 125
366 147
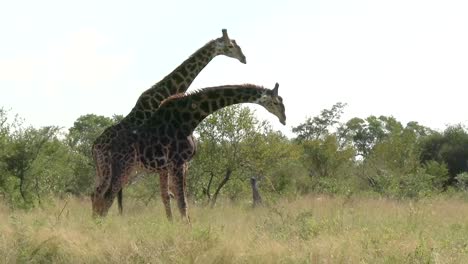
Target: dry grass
305 230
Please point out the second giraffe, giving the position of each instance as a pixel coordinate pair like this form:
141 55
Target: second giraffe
165 142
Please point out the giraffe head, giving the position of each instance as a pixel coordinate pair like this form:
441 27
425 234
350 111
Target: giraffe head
229 47
100 205
273 103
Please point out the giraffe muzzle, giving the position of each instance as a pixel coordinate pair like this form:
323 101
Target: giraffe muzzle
243 60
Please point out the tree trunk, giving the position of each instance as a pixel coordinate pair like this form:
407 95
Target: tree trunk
257 199
221 184
21 186
207 190
37 191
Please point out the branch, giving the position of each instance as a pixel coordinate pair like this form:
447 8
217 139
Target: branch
221 184
208 192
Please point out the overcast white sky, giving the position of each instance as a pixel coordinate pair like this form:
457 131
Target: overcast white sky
409 59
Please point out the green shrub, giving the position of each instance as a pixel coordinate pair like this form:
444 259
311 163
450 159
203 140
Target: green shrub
462 181
439 171
416 185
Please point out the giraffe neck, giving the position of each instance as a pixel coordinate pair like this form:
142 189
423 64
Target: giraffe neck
176 82
187 111
179 80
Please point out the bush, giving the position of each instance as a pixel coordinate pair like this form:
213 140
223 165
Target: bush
462 181
440 173
416 185
395 184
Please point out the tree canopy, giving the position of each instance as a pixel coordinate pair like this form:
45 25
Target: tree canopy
375 154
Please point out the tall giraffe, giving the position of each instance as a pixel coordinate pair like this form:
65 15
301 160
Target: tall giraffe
176 82
165 143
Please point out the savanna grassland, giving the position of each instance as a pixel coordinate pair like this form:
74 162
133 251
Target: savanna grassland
309 229
365 190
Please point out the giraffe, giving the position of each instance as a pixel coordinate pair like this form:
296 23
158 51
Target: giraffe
176 82
166 143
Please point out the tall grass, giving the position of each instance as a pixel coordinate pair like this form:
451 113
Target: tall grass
313 229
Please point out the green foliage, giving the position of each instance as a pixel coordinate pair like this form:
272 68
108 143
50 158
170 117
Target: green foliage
397 152
28 164
4 146
462 181
393 167
220 151
439 173
144 188
273 159
415 185
287 179
85 130
324 158
365 134
80 139
375 155
449 147
37 163
319 126
234 146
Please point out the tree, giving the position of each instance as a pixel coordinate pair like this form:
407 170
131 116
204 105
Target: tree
364 134
80 139
397 151
273 159
393 166
85 130
4 146
324 158
233 147
319 126
26 146
219 140
449 147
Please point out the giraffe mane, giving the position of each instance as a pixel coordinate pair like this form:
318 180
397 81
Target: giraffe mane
174 96
202 47
207 89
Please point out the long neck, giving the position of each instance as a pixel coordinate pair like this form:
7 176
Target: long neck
188 111
176 82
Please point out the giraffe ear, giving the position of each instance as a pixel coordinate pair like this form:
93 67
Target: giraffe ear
275 90
225 36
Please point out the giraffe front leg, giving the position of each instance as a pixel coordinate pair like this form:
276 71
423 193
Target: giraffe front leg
180 190
163 185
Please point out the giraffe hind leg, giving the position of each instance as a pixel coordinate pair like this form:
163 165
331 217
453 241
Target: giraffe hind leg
180 191
119 200
163 185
